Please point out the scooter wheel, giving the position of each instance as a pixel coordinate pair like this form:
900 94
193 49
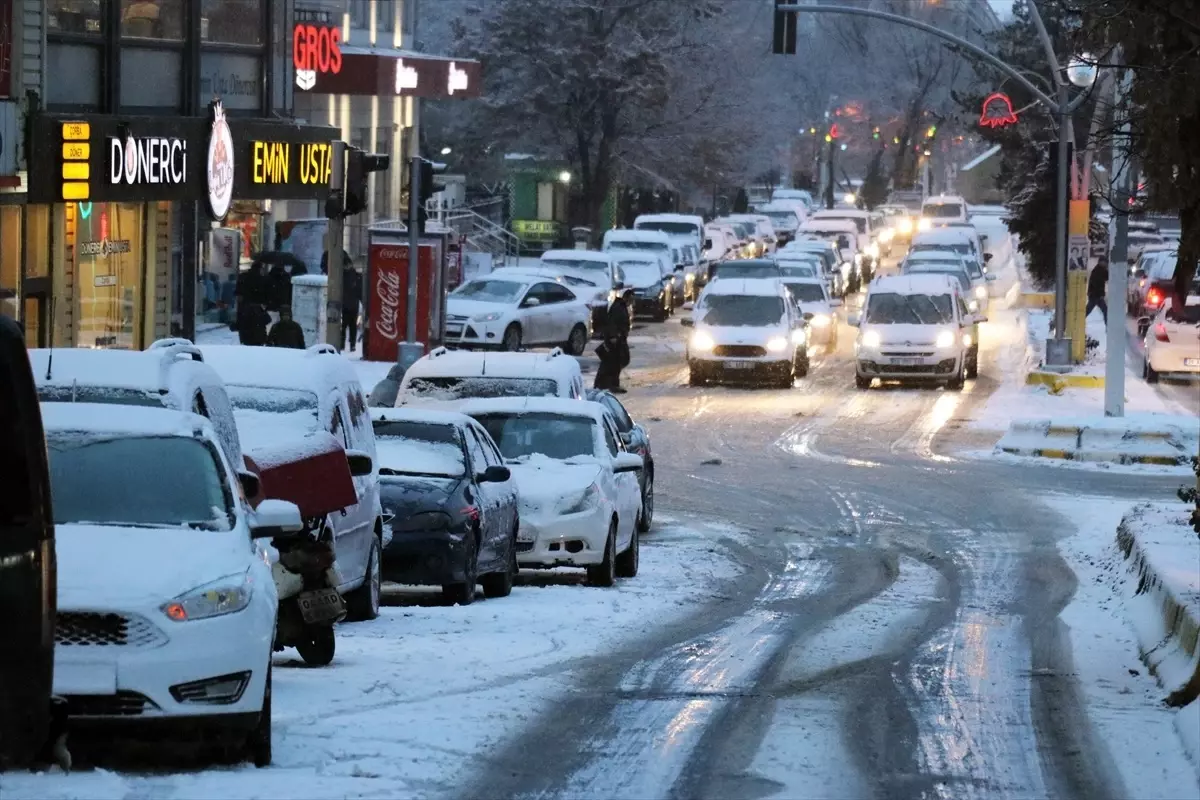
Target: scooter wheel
318 649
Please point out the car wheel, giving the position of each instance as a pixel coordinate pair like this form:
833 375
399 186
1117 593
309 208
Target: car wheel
800 369
1148 372
319 648
862 383
662 313
500 584
973 367
955 384
363 603
577 341
605 573
463 594
646 518
512 338
258 743
627 563
694 378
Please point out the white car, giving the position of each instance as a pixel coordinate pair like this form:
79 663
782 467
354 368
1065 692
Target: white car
1173 340
801 197
654 293
687 230
863 229
940 209
843 235
914 328
510 312
748 329
445 378
166 605
819 310
764 231
786 218
655 241
580 499
977 280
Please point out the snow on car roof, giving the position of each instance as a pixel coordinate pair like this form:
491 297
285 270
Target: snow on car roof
523 275
777 206
125 369
577 255
945 198
667 218
913 284
279 367
946 234
466 363
543 405
768 287
829 224
840 213
108 418
934 255
631 235
411 414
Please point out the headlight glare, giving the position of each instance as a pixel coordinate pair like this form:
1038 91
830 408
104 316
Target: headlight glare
799 336
820 321
777 344
945 339
223 596
980 292
702 341
972 306
872 250
871 339
967 340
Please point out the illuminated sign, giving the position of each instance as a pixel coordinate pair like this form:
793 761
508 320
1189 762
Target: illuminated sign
151 159
105 247
997 111
218 169
456 80
76 160
406 77
283 163
315 49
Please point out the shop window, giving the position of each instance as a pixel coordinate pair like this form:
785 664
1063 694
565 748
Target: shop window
232 21
385 14
10 260
109 247
37 241
75 17
152 19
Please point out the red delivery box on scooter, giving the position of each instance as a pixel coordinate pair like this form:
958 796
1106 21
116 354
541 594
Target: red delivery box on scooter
312 472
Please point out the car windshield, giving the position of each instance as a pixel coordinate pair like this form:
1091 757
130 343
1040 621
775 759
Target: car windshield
743 269
637 244
942 210
806 292
943 247
577 264
640 274
743 309
942 269
859 222
798 270
427 449
889 308
109 395
139 481
491 291
677 228
783 220
521 435
450 388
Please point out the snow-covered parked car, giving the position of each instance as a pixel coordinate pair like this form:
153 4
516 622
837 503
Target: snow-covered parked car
580 501
166 605
1173 340
653 291
171 373
591 265
445 378
281 395
512 311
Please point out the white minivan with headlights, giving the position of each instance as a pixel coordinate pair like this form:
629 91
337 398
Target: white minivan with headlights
747 330
166 605
914 328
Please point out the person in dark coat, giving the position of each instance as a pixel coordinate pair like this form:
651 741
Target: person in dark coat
286 332
351 302
614 349
1097 285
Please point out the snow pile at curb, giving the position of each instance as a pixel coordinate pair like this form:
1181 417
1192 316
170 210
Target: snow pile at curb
1160 440
1163 553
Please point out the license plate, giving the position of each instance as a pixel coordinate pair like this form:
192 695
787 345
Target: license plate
906 362
321 605
739 364
1191 362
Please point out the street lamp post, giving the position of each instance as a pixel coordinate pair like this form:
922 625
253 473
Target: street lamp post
1058 349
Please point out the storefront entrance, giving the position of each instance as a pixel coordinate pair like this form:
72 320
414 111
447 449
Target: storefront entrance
109 242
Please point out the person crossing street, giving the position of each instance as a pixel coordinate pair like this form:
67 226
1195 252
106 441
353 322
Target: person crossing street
1097 285
614 350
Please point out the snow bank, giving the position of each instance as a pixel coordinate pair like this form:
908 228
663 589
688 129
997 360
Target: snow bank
1143 439
1163 553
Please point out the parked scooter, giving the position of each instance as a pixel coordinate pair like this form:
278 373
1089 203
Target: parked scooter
309 603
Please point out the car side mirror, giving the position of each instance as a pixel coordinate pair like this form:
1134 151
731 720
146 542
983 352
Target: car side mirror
987 257
275 518
835 302
251 485
627 462
854 320
530 302
495 474
687 322
360 463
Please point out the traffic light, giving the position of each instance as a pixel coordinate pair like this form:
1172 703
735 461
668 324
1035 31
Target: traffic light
427 186
359 166
784 41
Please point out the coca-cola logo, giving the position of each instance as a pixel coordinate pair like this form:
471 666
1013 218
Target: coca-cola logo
398 253
387 289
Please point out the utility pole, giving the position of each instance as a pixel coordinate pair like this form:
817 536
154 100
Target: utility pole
414 247
1118 261
333 248
832 182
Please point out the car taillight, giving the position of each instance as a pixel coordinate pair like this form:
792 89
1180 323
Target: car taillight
1154 297
1160 333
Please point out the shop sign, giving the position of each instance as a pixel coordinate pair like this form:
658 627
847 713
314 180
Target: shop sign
137 160
283 163
104 248
315 49
535 228
361 74
219 165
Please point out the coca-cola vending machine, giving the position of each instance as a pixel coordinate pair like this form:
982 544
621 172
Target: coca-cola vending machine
387 300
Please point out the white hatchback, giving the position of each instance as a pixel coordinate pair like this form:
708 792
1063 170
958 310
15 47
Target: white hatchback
580 500
445 378
1173 341
512 311
166 606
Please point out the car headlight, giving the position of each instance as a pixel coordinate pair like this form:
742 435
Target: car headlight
945 339
491 316
872 250
702 341
972 305
820 320
871 339
967 340
588 500
777 344
906 226
981 292
227 595
887 234
799 336
924 224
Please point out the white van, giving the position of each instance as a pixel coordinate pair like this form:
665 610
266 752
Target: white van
677 226
940 209
627 239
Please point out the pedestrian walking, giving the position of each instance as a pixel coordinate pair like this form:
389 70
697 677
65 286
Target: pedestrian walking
1097 285
351 304
614 349
286 332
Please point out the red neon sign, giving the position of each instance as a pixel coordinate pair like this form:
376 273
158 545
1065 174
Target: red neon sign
997 111
315 48
833 131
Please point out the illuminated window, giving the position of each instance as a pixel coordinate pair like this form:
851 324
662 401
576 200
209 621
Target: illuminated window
152 19
79 17
10 259
231 21
110 275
